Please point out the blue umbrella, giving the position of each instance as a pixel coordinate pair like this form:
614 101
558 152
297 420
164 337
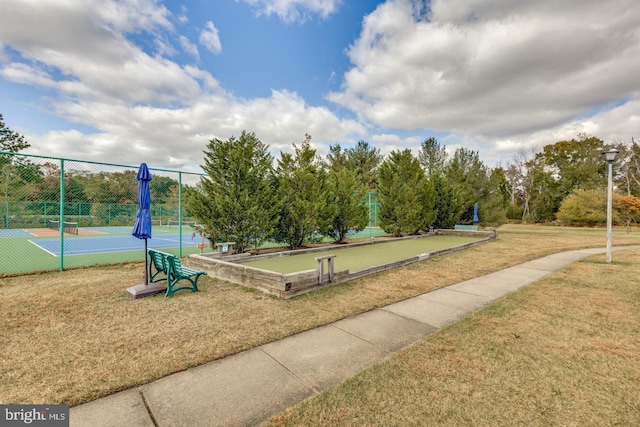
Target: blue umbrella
142 227
475 213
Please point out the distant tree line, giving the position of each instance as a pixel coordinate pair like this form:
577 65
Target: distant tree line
567 181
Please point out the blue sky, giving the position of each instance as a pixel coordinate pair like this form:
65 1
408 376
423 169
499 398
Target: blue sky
154 81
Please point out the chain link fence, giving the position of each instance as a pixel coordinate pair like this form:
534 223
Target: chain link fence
58 213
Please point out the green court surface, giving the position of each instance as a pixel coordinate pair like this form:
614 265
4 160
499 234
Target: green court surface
19 256
26 252
358 258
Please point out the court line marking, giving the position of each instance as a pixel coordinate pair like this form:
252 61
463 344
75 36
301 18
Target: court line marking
40 247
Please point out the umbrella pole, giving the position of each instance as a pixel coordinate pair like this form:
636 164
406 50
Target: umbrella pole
146 263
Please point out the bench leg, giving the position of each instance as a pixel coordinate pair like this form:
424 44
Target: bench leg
321 270
172 289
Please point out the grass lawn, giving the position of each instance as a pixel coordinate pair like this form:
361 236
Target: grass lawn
564 351
75 336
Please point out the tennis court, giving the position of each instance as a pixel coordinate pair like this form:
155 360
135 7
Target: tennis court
31 250
40 249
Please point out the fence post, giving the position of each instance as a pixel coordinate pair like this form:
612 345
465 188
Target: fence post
61 223
370 219
5 172
180 211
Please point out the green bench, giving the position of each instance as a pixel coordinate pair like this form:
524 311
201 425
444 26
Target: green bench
167 267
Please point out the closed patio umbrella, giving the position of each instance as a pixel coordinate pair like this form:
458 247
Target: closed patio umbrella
142 230
142 226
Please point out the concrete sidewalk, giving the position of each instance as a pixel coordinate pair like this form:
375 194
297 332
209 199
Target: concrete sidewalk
247 388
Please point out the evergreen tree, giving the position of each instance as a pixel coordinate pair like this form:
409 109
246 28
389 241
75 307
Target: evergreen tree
347 194
365 161
473 183
432 156
336 158
302 194
447 202
469 176
401 183
235 202
428 200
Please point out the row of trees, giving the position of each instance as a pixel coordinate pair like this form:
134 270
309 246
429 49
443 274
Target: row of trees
244 199
574 173
248 198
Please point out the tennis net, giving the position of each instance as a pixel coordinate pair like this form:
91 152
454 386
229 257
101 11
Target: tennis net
174 223
69 227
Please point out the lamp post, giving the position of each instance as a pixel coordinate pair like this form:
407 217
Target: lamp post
610 156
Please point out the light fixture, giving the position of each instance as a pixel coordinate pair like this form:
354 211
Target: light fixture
610 155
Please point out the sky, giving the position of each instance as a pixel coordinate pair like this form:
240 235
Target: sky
154 81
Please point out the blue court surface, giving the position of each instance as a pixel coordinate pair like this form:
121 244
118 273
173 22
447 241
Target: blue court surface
104 244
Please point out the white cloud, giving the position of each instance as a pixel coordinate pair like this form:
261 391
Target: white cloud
64 50
295 10
182 18
144 132
209 83
24 73
494 69
189 47
131 15
164 47
210 38
615 125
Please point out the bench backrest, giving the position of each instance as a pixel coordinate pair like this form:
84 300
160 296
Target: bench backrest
159 260
174 265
